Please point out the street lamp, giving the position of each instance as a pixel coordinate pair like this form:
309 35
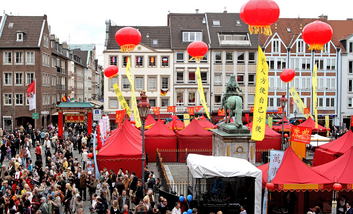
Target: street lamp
283 101
12 119
144 108
295 115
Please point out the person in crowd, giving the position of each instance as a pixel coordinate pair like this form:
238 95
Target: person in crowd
176 209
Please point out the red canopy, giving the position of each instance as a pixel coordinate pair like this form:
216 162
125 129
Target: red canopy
311 123
294 171
123 151
339 170
194 136
264 169
159 136
322 157
150 121
206 124
179 125
339 146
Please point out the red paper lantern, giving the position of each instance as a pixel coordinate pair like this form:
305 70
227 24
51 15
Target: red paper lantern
197 50
111 71
90 155
127 38
87 165
270 186
300 120
107 132
287 75
286 135
317 34
337 186
259 15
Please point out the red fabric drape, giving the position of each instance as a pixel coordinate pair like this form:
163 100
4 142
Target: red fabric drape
322 157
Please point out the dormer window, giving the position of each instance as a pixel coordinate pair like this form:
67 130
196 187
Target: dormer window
234 39
216 23
19 37
192 36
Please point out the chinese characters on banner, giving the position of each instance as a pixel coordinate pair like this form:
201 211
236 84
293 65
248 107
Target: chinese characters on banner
121 99
300 134
279 111
133 95
156 110
306 111
198 108
202 94
314 82
171 109
119 117
261 96
186 119
298 101
75 118
191 110
327 124
221 112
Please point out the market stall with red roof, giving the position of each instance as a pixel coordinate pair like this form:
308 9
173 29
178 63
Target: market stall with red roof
179 125
194 136
311 123
159 136
206 124
150 121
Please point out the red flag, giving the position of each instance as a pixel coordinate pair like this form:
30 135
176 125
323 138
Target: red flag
191 110
198 108
247 118
99 142
31 95
221 112
171 109
280 110
156 110
119 116
300 134
306 111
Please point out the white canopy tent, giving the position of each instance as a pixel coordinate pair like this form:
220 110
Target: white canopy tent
317 140
202 166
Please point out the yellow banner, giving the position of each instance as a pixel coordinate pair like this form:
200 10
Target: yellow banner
314 82
186 119
121 99
298 101
300 186
202 94
327 124
261 96
133 95
270 122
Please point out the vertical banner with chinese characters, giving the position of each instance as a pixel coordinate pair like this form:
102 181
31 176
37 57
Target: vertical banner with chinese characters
270 122
156 110
298 101
300 134
327 124
186 119
119 117
314 82
121 99
133 95
202 94
191 110
261 96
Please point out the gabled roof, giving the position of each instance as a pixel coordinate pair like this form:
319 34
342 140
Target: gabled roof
341 29
150 120
30 25
180 22
82 54
194 129
311 123
148 34
229 24
159 130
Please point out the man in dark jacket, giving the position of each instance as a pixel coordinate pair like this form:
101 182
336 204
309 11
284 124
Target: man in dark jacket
83 185
92 187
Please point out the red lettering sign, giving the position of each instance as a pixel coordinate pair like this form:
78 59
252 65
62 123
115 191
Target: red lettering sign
171 109
307 111
301 134
221 112
191 110
156 110
280 111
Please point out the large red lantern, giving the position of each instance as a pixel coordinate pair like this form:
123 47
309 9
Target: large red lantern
317 34
90 155
259 15
111 71
337 186
300 120
270 186
286 135
287 75
127 38
197 50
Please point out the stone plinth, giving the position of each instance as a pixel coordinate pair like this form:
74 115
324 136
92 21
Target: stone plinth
233 142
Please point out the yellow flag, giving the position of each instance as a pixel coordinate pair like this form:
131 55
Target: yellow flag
261 96
121 99
327 124
133 95
298 101
314 82
186 119
202 94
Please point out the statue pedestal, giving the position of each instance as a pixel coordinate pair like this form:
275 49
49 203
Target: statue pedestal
230 141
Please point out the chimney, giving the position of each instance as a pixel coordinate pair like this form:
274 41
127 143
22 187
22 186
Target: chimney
225 10
324 17
197 11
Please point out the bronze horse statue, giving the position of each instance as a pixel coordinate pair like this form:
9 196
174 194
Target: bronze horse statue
233 103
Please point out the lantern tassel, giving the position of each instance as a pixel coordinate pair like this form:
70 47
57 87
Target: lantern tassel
112 76
197 58
262 29
127 48
316 47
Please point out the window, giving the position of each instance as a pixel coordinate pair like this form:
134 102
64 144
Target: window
240 79
251 79
7 99
305 64
139 61
19 37
275 46
180 57
331 64
271 64
326 48
191 76
350 67
155 42
139 83
165 83
113 60
204 59
300 46
278 104
204 77
252 58
53 80
331 83
296 83
19 99
240 58
294 64
320 64
218 79
191 99
234 39
350 102
126 83
280 84
192 36
7 78
270 102
320 102
306 83
229 57
216 22
152 102
218 57
125 61
251 99
217 99
112 81
19 79
7 58
152 83
191 60
350 85
165 102
53 99
165 61
330 102
152 61
271 84
30 58
180 99
320 83
180 77
281 64
19 58
29 78
351 47
227 78
113 103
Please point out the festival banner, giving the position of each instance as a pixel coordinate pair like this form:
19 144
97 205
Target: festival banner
270 122
280 110
171 109
221 112
300 134
298 101
156 110
261 97
252 109
186 119
75 118
314 82
327 124
119 116
351 122
291 101
133 95
121 99
202 94
306 111
191 110
198 108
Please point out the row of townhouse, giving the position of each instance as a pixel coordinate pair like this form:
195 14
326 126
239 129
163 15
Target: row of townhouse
161 62
30 52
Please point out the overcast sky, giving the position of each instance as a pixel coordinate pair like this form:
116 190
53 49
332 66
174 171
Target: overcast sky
83 22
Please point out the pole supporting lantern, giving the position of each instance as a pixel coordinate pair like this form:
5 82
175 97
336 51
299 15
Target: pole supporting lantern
283 101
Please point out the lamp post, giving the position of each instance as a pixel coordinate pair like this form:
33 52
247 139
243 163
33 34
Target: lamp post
12 119
295 115
283 101
144 109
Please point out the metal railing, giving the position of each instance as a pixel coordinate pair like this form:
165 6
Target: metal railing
180 155
163 174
